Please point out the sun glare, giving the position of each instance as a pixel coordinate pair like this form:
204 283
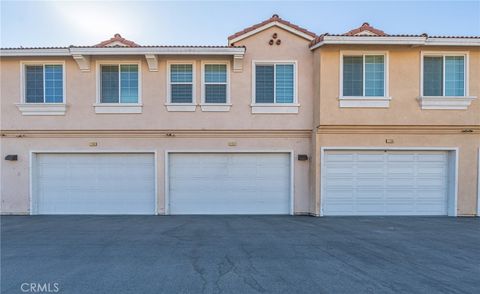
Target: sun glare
97 20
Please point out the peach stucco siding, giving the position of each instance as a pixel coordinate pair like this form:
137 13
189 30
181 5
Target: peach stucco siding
403 121
16 175
81 94
319 123
404 89
263 132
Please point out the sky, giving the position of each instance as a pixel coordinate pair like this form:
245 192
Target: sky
63 23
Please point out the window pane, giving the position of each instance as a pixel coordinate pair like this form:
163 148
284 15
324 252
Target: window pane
353 76
374 75
284 83
109 83
54 83
181 73
454 76
129 83
215 73
432 76
264 84
215 93
34 84
181 93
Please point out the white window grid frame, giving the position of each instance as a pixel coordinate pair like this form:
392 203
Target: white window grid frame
99 65
169 82
227 83
23 80
386 90
275 63
444 54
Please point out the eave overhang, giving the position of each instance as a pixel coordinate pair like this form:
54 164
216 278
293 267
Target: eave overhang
123 51
394 40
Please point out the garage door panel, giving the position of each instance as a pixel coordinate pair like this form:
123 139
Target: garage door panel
431 182
432 157
369 195
401 169
369 208
400 183
94 183
385 183
400 158
229 183
367 181
369 157
339 183
338 157
339 172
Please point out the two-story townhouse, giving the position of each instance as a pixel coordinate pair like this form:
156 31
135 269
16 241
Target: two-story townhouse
397 124
280 121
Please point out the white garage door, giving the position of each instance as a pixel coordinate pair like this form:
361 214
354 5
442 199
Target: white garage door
229 183
385 183
94 184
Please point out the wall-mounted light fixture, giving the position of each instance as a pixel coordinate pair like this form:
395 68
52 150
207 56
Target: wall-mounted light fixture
302 157
11 157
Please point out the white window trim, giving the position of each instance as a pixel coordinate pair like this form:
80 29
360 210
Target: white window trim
265 108
120 108
181 106
365 101
446 102
44 108
215 106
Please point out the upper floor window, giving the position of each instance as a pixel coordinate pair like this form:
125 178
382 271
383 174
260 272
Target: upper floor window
44 83
444 81
364 79
444 75
181 83
119 83
275 83
364 75
215 83
215 86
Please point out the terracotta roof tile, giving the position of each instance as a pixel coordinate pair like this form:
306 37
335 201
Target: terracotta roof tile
378 33
365 27
274 18
117 38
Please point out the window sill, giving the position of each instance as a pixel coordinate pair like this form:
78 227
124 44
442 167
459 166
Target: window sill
364 102
446 102
190 107
215 107
259 108
117 108
42 108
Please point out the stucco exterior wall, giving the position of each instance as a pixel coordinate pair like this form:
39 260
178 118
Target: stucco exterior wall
318 91
404 87
81 94
403 121
467 144
15 179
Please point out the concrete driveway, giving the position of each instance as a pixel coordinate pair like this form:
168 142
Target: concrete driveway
241 254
